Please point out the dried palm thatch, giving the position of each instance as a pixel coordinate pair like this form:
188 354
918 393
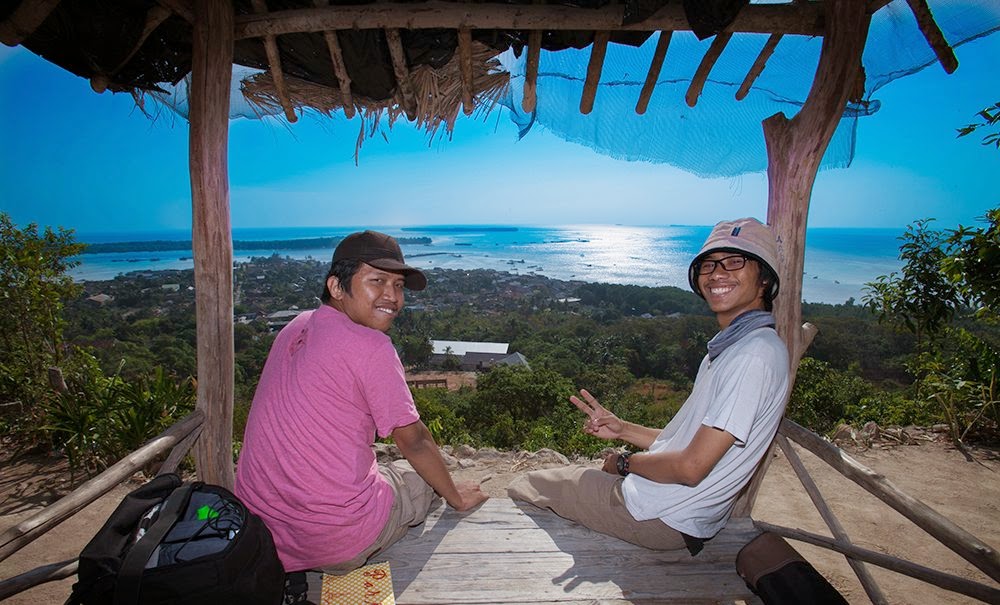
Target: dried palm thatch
437 92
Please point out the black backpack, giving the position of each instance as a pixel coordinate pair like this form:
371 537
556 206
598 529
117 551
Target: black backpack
173 542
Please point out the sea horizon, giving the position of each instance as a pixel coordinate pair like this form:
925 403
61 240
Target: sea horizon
839 261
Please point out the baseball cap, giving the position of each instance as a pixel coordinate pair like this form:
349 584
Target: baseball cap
744 235
382 252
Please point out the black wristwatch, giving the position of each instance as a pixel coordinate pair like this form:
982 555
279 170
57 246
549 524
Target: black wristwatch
623 463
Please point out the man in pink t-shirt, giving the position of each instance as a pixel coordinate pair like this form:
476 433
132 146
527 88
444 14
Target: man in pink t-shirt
332 382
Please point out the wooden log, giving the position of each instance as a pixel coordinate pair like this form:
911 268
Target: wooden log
594 67
211 76
178 452
154 17
944 580
705 67
402 71
36 525
530 99
795 148
864 576
967 546
745 502
181 7
655 66
25 19
933 34
339 67
465 65
39 575
274 64
804 20
758 66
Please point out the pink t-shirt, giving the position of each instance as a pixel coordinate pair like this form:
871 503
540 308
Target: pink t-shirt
307 466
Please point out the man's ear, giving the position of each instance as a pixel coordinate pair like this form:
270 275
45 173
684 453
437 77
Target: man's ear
333 287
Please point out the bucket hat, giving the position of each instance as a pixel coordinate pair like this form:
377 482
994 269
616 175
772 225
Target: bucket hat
747 236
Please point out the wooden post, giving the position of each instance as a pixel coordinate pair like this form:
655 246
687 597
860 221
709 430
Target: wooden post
795 148
211 73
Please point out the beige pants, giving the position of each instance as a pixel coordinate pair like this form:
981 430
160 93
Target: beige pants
413 500
594 499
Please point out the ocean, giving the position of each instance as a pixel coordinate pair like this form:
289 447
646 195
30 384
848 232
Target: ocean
838 263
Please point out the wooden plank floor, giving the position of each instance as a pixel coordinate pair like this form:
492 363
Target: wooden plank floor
514 553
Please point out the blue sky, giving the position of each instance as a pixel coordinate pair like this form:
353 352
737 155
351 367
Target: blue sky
94 163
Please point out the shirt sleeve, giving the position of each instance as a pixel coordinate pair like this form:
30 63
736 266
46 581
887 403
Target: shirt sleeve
385 389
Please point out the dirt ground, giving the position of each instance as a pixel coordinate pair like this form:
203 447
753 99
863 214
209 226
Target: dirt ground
966 492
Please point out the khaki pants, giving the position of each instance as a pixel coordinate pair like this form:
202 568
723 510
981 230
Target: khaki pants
594 499
413 500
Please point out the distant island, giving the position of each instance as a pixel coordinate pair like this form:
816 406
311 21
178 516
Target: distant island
466 229
280 244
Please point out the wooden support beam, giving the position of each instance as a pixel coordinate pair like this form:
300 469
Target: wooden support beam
465 65
806 19
655 66
211 79
933 34
154 17
705 67
182 7
986 594
795 148
758 66
339 67
402 71
864 576
597 52
969 547
36 525
25 19
274 62
530 99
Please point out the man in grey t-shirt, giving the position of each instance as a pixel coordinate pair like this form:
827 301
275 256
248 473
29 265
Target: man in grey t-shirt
681 488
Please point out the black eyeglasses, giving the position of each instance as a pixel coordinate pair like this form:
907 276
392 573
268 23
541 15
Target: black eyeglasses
729 263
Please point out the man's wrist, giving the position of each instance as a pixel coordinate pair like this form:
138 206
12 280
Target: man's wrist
623 463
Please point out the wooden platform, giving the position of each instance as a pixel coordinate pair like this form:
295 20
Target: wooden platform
514 553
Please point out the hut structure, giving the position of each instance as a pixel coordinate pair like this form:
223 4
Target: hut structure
424 61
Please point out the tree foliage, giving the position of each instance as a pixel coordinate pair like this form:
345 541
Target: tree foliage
989 121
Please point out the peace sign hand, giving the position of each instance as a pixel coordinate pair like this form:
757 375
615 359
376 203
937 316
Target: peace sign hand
601 422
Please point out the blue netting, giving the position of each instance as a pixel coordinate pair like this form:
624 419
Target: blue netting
719 136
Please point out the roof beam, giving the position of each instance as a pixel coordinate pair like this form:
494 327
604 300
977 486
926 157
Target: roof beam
274 61
465 60
804 19
24 20
933 34
339 67
705 67
653 75
531 71
758 66
402 72
594 68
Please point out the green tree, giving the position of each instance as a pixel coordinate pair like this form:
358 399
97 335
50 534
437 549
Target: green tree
33 286
989 118
972 263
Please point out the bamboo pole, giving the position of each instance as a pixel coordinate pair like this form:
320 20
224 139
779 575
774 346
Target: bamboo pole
705 67
339 67
274 63
211 75
402 72
465 65
758 66
926 574
804 20
864 576
655 66
24 20
36 525
178 452
594 67
39 575
530 99
967 546
933 34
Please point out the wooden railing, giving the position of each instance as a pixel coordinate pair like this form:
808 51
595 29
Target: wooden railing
178 440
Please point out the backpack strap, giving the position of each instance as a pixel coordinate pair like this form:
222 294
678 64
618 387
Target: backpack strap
130 575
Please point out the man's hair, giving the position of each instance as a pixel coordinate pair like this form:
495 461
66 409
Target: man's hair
766 278
344 271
